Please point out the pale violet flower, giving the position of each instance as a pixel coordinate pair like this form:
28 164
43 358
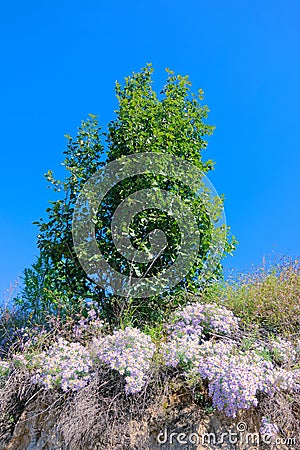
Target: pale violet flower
67 365
129 352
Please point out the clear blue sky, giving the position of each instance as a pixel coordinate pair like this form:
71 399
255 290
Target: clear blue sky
60 60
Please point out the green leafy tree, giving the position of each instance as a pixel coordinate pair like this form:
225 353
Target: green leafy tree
56 283
172 122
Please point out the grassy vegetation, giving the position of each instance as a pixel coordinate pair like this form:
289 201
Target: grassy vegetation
269 298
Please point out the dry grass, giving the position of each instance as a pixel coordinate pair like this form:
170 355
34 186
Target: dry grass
268 298
283 409
101 416
15 394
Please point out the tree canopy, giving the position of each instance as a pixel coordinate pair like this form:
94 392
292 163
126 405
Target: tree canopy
169 123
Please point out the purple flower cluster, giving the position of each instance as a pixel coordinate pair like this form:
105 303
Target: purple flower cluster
129 352
200 318
285 380
188 327
282 350
235 373
181 350
234 377
67 365
90 324
268 428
